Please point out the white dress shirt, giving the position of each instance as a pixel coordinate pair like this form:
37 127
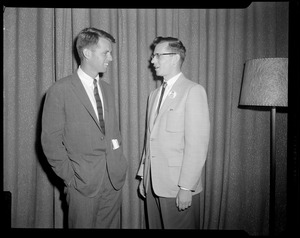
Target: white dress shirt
88 83
170 84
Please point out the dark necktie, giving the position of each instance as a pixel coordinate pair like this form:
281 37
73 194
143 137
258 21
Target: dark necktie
99 106
164 85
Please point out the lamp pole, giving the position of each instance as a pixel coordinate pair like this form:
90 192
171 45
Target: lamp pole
272 172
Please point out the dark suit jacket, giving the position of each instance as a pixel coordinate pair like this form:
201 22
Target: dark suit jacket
73 142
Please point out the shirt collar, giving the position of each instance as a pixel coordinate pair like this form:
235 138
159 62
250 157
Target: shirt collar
172 80
85 77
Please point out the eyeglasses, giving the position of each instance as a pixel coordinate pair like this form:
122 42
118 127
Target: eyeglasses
158 55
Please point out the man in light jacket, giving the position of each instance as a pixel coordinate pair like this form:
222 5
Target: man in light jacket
176 145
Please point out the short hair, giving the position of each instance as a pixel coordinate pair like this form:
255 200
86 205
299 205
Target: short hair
89 37
174 44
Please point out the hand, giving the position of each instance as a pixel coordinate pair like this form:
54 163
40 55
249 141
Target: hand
183 199
141 189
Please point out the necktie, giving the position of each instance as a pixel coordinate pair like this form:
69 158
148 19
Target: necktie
99 106
164 85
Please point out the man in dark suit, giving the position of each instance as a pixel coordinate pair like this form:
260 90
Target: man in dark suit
81 137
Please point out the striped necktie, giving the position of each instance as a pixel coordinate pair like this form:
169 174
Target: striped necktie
99 106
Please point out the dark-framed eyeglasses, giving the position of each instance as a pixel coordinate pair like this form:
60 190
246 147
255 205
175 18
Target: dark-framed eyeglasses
157 55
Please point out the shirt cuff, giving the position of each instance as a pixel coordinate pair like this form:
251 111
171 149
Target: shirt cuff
184 188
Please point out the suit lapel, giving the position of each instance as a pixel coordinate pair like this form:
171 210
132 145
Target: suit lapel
152 106
171 97
105 97
82 95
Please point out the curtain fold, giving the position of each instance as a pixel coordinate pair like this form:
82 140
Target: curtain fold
38 50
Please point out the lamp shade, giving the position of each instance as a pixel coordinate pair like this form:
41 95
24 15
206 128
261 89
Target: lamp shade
265 83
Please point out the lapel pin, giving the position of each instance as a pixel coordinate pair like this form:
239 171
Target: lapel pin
172 94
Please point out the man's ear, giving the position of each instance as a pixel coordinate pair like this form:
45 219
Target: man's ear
86 53
176 59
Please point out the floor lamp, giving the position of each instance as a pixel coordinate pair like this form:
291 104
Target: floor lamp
265 84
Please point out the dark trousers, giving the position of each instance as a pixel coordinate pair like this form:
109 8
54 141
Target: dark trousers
101 211
162 213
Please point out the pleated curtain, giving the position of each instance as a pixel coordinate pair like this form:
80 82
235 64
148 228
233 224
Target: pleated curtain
38 51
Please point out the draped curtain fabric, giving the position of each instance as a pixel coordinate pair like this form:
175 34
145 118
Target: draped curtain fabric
38 50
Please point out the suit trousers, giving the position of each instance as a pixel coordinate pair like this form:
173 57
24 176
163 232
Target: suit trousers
101 211
162 213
